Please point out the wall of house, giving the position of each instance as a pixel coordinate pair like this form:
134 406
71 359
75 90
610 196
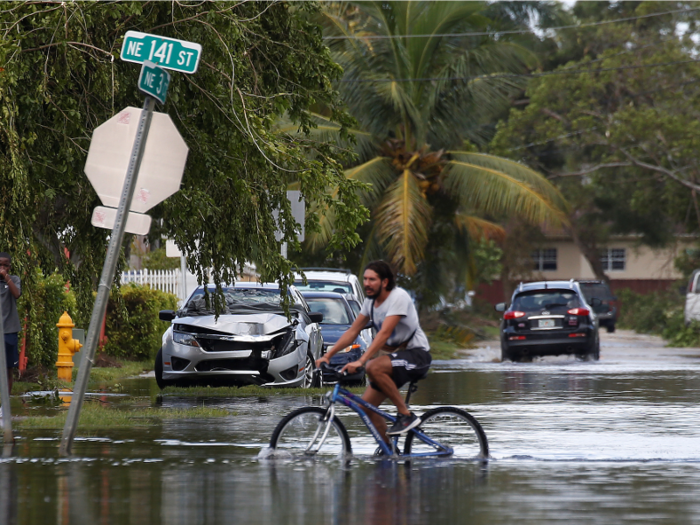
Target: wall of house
646 269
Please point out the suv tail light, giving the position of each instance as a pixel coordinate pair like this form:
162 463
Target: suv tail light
513 315
579 311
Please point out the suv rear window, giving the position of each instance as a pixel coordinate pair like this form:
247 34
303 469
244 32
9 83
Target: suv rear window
537 300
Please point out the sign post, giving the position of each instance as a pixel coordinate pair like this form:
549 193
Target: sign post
104 168
106 278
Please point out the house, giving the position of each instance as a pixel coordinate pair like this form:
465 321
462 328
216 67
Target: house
627 264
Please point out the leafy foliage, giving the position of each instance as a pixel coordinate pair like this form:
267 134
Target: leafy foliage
41 310
132 328
416 98
616 128
659 313
157 260
61 77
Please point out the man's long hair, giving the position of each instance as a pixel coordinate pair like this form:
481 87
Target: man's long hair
383 270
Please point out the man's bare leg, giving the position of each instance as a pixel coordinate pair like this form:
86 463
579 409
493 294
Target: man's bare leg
379 371
376 398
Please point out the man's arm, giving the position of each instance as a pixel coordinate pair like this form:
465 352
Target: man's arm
14 290
378 342
381 338
346 339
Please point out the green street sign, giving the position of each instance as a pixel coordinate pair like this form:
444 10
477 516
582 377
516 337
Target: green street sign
169 53
154 81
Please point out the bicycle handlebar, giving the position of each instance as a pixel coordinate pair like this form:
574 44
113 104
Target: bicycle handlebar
335 371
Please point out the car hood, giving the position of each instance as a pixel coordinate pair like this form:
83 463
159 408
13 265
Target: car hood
239 324
332 332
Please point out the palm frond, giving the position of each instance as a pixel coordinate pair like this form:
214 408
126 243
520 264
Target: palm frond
377 173
478 228
498 186
325 130
403 220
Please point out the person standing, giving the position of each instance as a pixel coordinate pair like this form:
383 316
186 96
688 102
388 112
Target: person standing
10 290
399 353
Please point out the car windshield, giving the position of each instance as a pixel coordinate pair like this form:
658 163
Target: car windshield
356 308
538 300
597 290
333 310
324 286
236 300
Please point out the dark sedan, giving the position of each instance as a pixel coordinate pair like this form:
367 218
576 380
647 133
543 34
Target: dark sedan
549 318
338 315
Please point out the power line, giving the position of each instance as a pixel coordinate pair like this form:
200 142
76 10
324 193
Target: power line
526 75
508 32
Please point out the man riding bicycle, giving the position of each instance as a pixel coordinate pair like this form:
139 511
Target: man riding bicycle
401 347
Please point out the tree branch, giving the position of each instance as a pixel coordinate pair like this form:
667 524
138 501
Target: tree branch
590 170
660 169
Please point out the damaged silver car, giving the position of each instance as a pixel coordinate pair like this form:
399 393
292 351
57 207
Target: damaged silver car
251 342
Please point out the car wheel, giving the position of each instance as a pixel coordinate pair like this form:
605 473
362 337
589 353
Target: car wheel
311 378
509 355
610 328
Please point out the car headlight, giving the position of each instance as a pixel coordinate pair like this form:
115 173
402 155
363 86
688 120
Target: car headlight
284 343
349 348
185 339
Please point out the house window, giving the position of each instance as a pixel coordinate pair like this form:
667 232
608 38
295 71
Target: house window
613 259
545 260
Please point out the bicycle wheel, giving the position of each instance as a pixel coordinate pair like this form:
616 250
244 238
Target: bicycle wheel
305 433
450 427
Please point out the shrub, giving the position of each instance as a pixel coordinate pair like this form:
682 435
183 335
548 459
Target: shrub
659 313
43 301
133 329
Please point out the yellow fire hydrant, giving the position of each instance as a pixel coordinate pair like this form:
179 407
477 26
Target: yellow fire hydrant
67 346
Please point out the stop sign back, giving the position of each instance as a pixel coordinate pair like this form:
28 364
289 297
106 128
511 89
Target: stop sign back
161 169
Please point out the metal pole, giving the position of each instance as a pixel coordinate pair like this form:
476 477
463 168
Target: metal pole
8 438
107 277
183 278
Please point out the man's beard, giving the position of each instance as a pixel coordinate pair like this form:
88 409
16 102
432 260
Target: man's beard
372 294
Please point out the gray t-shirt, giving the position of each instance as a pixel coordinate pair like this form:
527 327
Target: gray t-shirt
10 319
398 303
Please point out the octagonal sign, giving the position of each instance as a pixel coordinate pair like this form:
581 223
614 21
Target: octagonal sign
161 169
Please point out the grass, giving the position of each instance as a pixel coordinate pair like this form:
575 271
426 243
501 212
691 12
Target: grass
101 378
96 416
444 349
107 376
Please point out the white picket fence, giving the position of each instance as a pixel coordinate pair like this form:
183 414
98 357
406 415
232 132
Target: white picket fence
164 280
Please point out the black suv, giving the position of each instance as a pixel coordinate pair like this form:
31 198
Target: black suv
549 318
606 311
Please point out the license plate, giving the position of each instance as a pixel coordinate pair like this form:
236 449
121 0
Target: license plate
546 323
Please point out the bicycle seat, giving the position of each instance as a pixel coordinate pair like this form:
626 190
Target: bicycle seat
414 381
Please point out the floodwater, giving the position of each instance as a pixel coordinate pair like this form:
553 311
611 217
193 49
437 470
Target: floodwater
614 441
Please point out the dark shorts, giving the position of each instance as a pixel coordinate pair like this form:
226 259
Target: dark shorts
408 365
11 353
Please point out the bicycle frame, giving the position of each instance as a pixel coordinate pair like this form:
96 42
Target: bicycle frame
357 404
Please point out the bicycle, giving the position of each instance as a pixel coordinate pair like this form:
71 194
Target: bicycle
316 431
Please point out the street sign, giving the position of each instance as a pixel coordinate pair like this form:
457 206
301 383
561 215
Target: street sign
138 223
154 81
169 53
162 165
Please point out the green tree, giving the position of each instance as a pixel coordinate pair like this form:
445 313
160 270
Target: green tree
61 76
420 103
618 133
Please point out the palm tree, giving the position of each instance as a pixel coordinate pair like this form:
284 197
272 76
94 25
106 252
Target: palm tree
420 102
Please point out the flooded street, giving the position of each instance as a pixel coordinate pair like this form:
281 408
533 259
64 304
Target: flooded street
614 441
